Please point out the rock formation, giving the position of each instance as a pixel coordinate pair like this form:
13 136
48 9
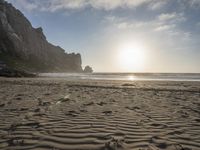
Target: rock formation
88 69
24 47
9 72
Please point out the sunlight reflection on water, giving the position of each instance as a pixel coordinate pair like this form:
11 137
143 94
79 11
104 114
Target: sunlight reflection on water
131 78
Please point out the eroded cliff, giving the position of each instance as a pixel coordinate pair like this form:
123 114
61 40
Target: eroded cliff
25 47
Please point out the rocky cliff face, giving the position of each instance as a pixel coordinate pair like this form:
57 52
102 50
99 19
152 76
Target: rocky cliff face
25 47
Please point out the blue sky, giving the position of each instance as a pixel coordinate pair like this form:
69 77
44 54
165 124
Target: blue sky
164 35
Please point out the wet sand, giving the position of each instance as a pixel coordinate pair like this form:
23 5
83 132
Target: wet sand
57 114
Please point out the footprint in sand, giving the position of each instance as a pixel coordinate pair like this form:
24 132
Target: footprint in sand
15 142
72 113
117 142
108 112
132 108
18 98
14 126
101 103
24 109
157 143
2 105
89 104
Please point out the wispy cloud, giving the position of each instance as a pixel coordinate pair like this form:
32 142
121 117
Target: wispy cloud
158 4
194 2
26 4
168 22
55 5
161 22
121 22
164 24
173 17
166 17
165 27
188 4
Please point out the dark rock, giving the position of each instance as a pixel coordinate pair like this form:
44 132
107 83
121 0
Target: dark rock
24 47
8 72
88 69
2 105
2 65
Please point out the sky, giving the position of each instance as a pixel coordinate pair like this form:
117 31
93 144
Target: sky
122 35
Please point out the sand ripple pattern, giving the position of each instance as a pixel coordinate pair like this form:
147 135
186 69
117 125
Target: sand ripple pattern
41 116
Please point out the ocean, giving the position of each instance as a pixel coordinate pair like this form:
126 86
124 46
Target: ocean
127 76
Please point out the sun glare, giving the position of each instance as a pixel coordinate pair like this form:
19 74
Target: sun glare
132 57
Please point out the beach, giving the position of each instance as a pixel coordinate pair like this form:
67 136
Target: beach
59 114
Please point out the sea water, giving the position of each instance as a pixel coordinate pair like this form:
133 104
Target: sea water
127 76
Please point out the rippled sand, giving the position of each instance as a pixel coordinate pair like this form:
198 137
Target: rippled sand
99 115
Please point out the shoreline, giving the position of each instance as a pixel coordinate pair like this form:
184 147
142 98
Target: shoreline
194 77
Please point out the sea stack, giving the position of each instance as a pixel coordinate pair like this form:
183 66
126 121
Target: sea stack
88 69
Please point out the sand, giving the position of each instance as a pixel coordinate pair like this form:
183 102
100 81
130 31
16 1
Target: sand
58 114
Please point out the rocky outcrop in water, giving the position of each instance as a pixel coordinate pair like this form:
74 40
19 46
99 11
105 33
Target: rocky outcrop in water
25 47
87 69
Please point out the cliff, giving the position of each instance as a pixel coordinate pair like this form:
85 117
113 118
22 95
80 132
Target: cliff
25 47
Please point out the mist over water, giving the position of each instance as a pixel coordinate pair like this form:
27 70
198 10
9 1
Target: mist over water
126 76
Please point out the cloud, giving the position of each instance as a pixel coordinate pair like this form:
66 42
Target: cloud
165 17
188 4
168 21
168 24
177 17
157 5
122 22
164 21
194 2
24 3
55 5
165 27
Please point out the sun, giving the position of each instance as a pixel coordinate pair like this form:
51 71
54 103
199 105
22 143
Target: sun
131 57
